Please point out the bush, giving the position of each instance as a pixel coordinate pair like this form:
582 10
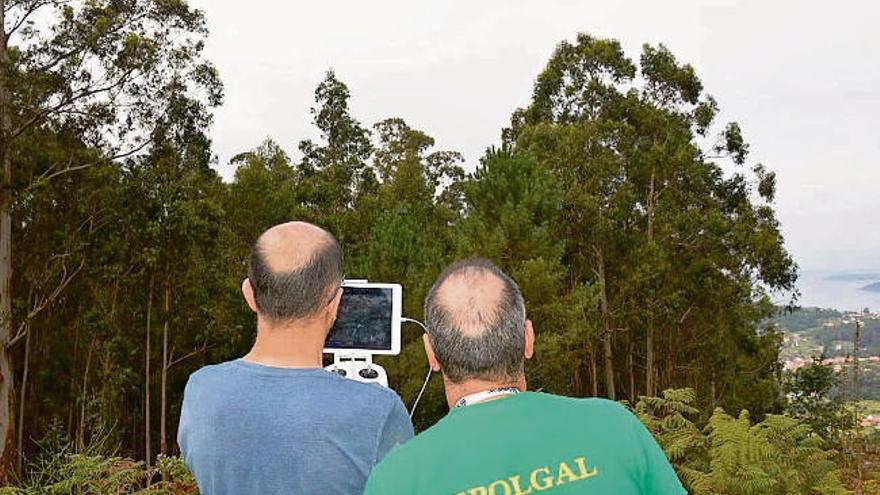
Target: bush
82 474
778 456
808 392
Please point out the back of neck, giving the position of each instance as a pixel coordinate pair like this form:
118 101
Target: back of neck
298 344
455 391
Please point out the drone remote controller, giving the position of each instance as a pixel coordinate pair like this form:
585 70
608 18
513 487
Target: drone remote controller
367 324
361 370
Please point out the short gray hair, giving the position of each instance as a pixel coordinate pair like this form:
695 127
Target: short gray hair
496 349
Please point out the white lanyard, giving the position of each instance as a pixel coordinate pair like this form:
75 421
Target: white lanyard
485 395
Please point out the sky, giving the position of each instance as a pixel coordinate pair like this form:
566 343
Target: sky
801 77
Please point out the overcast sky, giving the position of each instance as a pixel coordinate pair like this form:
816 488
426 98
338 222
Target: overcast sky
803 79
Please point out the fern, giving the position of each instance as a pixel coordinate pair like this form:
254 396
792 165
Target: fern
82 474
732 456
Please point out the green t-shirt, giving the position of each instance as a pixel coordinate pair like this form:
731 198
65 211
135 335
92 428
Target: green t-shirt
529 443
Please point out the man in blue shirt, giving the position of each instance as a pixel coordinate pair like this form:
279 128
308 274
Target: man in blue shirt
274 421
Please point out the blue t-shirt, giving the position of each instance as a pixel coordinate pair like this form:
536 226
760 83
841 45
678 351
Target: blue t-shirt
247 428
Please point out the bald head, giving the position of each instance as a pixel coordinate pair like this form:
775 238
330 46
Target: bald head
476 320
290 246
471 297
294 270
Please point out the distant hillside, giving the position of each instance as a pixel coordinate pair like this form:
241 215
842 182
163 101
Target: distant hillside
812 332
801 319
875 287
858 277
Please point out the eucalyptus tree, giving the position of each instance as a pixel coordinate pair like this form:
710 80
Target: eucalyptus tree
401 231
335 168
182 198
513 209
263 193
670 229
100 69
63 230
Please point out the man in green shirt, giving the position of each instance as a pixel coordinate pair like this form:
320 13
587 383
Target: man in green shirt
499 439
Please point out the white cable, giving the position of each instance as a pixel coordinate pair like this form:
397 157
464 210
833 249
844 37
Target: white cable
417 322
427 377
421 392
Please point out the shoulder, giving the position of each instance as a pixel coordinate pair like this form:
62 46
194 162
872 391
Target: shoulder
376 395
382 395
368 404
408 456
610 413
592 404
399 460
605 405
209 374
204 384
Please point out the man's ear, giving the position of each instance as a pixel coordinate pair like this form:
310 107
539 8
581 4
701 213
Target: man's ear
433 362
333 307
248 292
530 340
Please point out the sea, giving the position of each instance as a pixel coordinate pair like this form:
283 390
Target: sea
838 290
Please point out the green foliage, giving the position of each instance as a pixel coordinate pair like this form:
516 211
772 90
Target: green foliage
730 456
81 474
808 390
667 418
513 211
105 69
734 456
176 478
792 320
649 217
642 258
779 455
62 467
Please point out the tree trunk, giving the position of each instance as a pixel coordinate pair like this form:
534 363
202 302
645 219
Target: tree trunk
148 455
594 382
71 389
606 327
21 400
856 344
163 443
652 199
649 334
7 388
712 392
609 369
81 435
649 359
630 370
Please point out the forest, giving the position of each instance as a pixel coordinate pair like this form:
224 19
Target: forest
640 229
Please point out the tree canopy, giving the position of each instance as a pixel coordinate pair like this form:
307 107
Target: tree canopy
640 231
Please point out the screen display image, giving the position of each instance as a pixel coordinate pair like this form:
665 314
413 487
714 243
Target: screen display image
364 320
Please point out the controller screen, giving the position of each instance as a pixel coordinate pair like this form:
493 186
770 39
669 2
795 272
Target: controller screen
363 320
